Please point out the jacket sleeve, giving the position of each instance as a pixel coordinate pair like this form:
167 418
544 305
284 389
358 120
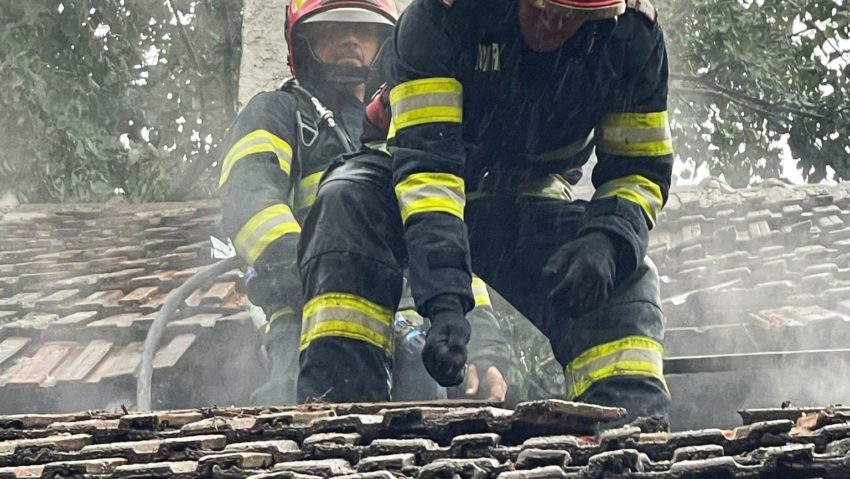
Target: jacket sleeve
633 143
428 156
255 180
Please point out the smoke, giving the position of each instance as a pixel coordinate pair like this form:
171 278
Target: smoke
757 276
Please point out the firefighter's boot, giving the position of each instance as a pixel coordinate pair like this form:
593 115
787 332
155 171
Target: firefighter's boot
282 350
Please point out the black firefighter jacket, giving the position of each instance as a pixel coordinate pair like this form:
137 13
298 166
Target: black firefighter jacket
468 97
277 151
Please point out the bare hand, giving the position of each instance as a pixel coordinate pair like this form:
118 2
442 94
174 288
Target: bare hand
498 385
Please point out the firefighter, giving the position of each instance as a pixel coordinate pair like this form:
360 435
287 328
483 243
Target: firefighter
490 105
279 147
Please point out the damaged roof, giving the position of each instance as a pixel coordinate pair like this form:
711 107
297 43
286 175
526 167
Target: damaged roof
79 287
544 439
755 285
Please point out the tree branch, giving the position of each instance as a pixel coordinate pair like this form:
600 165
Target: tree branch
181 29
764 107
189 177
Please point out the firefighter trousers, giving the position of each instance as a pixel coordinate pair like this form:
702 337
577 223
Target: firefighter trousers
352 256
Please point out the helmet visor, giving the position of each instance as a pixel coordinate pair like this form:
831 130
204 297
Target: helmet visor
349 15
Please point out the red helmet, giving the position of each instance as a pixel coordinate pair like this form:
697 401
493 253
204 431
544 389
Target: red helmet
594 9
299 12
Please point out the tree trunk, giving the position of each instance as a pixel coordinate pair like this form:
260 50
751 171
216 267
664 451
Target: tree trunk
263 66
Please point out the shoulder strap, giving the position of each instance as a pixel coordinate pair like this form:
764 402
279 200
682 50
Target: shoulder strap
325 115
644 7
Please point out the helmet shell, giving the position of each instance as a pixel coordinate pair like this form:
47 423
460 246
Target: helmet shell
594 9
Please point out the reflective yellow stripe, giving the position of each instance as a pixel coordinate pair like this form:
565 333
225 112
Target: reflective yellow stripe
431 192
635 134
428 100
637 189
479 291
258 141
277 315
348 316
307 189
263 228
630 356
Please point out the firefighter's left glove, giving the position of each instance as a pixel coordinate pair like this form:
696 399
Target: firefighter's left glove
275 281
444 354
585 270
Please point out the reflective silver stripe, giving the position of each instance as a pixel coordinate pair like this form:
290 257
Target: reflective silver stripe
630 356
626 134
635 134
416 102
347 316
262 229
308 187
637 189
427 100
258 141
431 192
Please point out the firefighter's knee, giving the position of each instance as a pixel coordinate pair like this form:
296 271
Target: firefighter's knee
621 340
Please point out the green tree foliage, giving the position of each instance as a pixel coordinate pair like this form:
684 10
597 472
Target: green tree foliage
102 94
745 74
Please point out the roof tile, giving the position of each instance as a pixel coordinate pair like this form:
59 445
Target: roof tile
174 469
11 346
233 463
80 364
394 462
534 458
321 468
42 363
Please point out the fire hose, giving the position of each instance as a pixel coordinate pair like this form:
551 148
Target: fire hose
172 303
176 297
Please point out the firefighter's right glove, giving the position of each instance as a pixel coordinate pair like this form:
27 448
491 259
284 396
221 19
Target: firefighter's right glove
275 282
585 270
444 354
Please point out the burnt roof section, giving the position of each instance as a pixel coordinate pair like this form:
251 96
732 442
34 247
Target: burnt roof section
547 439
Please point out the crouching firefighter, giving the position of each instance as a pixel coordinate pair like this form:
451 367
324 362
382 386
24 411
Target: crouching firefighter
489 106
279 147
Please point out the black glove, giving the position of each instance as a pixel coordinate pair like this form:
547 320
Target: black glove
275 280
587 269
444 354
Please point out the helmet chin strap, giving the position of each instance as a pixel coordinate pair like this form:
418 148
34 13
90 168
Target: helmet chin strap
345 74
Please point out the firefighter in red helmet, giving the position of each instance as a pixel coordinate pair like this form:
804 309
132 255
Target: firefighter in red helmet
491 108
279 147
